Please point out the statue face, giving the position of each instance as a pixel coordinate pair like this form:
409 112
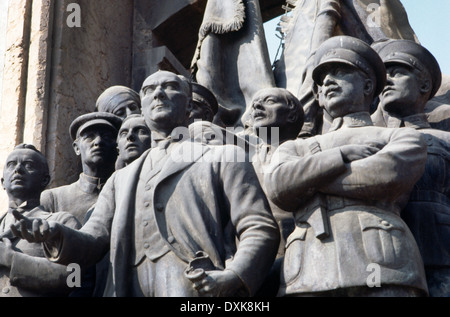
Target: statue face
269 108
133 139
119 100
165 101
126 107
342 90
96 145
200 111
24 174
402 90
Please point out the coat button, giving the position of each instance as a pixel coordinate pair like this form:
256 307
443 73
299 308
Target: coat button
145 223
146 245
171 239
385 223
5 290
159 207
146 204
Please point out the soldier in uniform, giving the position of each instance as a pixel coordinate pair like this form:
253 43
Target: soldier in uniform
24 270
94 140
347 187
413 78
204 104
204 107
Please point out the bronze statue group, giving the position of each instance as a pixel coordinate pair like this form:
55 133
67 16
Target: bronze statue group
301 215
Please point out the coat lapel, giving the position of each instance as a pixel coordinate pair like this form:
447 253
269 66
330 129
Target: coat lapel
181 156
122 227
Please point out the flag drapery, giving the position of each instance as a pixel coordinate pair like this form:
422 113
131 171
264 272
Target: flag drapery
232 58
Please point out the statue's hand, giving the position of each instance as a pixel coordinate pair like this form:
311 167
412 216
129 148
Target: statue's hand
34 230
218 284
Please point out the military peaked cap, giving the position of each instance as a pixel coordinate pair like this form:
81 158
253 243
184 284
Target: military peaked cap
94 118
412 54
203 94
350 51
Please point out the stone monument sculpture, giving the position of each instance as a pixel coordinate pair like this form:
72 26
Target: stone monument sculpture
276 116
133 139
312 22
438 110
413 77
209 127
24 270
179 212
168 233
204 126
119 100
347 187
231 41
94 141
204 104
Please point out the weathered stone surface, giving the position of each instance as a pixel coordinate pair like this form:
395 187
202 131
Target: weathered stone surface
85 61
166 19
3 23
38 74
14 79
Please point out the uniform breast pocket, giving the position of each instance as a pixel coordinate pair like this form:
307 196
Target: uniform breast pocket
384 240
293 258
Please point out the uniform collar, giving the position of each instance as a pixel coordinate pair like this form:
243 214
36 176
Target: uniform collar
91 184
416 121
29 205
352 120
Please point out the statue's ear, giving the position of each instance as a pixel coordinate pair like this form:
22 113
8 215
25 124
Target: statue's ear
190 106
292 116
425 86
316 91
45 181
76 148
369 86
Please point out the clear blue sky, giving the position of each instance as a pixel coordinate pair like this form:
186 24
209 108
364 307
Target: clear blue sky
430 21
